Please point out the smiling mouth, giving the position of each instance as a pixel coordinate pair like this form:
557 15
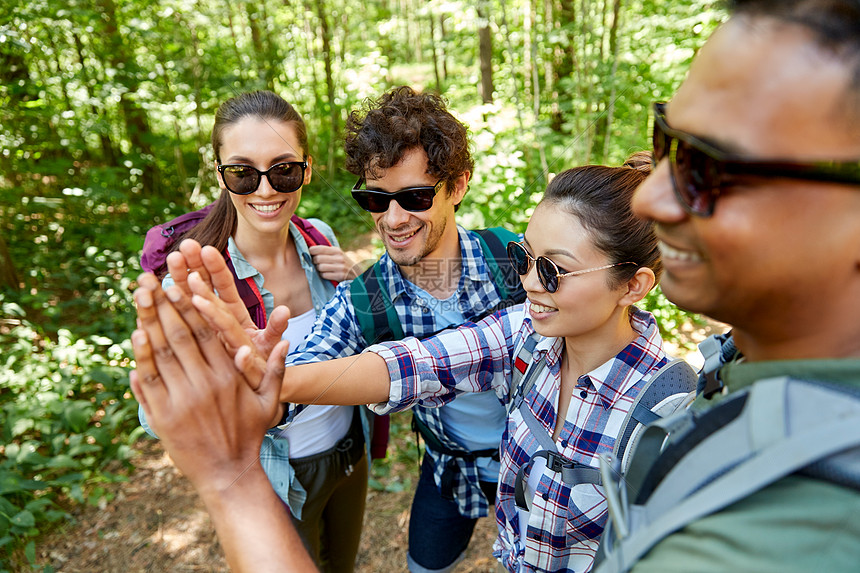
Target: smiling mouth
669 252
267 208
401 238
541 308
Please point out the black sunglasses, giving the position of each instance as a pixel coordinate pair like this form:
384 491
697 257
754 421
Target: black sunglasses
548 272
414 199
700 170
283 177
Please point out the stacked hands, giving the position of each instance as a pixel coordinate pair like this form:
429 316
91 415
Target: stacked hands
202 376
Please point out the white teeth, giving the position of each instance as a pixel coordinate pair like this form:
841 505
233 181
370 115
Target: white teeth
541 308
400 238
267 208
678 255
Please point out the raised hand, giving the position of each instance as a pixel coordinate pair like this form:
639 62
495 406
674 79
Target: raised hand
211 421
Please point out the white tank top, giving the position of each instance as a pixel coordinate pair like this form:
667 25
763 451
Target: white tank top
316 428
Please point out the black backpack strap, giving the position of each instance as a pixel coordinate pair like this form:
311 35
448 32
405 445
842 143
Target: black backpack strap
431 440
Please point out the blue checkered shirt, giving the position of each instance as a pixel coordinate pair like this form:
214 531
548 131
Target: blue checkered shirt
337 333
565 522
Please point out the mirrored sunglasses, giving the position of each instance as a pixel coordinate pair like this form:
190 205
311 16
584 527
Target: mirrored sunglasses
283 177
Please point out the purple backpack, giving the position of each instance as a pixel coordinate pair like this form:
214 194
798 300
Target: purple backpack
160 238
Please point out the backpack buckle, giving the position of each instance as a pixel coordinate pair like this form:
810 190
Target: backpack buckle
556 462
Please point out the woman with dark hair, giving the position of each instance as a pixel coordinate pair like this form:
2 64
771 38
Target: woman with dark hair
578 352
318 466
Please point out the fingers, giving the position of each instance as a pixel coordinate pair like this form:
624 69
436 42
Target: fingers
184 345
331 262
220 275
147 385
252 366
163 359
266 339
219 318
191 250
178 269
270 386
204 336
222 281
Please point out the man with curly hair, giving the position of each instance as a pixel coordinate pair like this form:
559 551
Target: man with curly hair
413 164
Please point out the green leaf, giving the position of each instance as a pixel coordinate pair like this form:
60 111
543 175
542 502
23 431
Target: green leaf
63 461
77 415
12 482
30 552
24 519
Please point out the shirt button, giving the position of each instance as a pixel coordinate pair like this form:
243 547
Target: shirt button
564 443
544 496
583 394
425 310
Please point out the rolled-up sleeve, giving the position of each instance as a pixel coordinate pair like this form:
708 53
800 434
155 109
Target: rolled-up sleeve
472 358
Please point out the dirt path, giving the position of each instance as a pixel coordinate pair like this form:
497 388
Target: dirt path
157 524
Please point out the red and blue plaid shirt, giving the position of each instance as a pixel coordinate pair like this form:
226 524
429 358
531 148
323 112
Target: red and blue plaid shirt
337 333
565 522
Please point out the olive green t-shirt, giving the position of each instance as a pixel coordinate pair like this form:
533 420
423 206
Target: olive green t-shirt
796 524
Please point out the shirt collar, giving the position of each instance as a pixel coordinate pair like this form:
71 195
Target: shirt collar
618 374
615 377
243 267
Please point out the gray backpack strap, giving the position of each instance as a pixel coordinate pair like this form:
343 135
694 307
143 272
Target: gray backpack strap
669 389
778 431
572 472
522 375
717 350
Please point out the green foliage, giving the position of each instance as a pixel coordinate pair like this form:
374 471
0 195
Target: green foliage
106 109
67 421
671 319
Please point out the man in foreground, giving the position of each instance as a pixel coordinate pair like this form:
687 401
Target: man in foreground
756 202
756 198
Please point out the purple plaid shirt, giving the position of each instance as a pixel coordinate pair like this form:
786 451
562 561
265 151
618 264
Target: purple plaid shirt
565 522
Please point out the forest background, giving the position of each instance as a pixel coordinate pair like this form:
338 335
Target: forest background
106 108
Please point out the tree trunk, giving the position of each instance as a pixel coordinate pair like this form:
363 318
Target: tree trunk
108 153
485 43
136 122
8 276
510 49
240 65
433 51
610 105
536 95
566 53
444 57
334 116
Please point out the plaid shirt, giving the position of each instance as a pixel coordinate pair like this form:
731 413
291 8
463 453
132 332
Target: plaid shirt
565 522
337 333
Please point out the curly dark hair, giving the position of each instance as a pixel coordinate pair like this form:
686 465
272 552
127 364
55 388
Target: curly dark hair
401 119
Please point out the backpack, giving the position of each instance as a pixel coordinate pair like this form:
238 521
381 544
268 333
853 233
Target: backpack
160 238
667 390
379 323
693 464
